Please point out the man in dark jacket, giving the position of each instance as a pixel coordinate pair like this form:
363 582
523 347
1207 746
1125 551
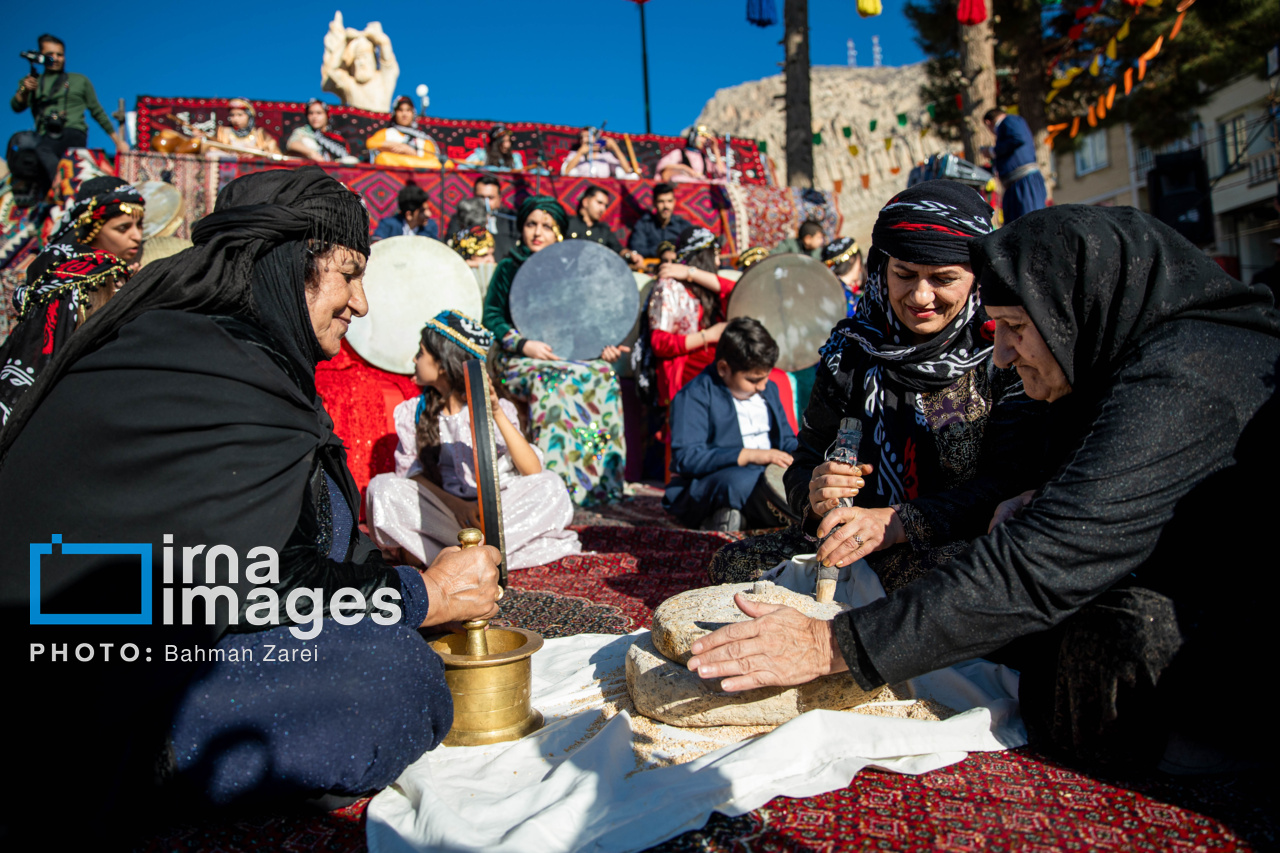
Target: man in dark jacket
659 225
414 217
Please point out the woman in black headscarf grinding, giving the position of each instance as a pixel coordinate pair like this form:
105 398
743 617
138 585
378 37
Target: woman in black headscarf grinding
268 653
1160 369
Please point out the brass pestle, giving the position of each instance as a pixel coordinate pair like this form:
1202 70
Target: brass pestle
477 639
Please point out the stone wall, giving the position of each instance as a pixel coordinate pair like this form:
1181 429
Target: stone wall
841 97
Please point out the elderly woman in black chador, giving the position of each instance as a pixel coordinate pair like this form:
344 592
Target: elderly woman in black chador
183 419
945 435
1102 585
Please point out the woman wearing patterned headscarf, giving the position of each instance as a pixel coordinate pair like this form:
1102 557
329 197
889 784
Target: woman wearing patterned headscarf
576 407
65 285
944 435
182 416
686 312
106 213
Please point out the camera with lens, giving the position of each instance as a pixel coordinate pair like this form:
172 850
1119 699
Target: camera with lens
54 124
32 57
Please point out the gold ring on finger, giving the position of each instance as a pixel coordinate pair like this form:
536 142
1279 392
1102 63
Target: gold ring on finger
857 537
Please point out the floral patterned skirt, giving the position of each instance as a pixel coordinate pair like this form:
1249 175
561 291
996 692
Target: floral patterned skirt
575 413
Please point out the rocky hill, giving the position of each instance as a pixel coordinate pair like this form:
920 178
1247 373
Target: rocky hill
841 97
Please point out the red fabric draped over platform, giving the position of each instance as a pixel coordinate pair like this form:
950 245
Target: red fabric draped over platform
360 398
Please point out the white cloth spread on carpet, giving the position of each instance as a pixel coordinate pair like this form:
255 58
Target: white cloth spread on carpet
580 785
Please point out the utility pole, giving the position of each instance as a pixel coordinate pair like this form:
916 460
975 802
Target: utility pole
798 109
644 62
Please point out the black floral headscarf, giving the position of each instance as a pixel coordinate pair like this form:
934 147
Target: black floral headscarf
931 223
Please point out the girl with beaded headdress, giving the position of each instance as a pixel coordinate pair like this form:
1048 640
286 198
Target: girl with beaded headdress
106 213
575 406
417 511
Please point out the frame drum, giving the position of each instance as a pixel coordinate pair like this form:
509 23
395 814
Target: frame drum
577 296
797 299
408 281
163 211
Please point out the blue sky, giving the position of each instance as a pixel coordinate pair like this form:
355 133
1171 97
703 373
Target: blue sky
572 62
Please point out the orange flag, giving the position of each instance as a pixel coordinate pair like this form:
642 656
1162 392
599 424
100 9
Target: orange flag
1102 106
1177 26
866 182
1075 126
1111 95
1093 116
1128 80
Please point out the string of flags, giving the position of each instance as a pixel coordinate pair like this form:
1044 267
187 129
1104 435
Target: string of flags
1099 109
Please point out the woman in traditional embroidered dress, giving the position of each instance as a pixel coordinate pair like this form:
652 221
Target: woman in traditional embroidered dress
106 213
315 141
947 435
687 309
240 131
403 143
575 407
419 509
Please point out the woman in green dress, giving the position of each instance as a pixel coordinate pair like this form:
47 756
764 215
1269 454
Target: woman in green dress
575 408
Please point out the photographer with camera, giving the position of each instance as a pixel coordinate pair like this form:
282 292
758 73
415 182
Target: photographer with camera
57 100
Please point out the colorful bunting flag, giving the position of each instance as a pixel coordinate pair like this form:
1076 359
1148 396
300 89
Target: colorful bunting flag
1111 95
1177 26
762 146
873 125
902 119
853 150
933 110
817 138
847 131
1128 80
1096 65
1111 50
888 143
1102 106
1123 32
869 8
1093 116
1075 126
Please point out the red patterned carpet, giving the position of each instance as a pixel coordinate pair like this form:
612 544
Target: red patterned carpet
1017 800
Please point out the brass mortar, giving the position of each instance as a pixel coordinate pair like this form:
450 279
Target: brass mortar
490 675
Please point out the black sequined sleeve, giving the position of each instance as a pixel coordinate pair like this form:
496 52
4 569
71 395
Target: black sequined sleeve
1011 460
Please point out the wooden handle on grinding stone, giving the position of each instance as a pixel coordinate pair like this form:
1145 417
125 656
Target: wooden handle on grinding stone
477 641
825 592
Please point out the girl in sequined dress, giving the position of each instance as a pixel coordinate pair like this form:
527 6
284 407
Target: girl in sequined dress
417 511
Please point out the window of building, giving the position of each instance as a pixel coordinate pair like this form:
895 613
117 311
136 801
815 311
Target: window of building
1092 153
1233 135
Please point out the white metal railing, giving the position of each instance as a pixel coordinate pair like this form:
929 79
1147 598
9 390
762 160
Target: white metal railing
1262 167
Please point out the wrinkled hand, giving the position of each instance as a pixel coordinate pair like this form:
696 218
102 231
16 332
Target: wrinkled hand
831 481
779 647
538 349
767 456
613 353
859 532
1011 508
462 584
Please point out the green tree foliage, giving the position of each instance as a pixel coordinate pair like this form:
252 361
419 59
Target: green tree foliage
1219 41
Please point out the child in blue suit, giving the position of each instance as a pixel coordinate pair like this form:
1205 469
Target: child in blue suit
727 426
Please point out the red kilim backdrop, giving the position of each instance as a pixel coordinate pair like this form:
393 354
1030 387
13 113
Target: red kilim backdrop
706 205
539 143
